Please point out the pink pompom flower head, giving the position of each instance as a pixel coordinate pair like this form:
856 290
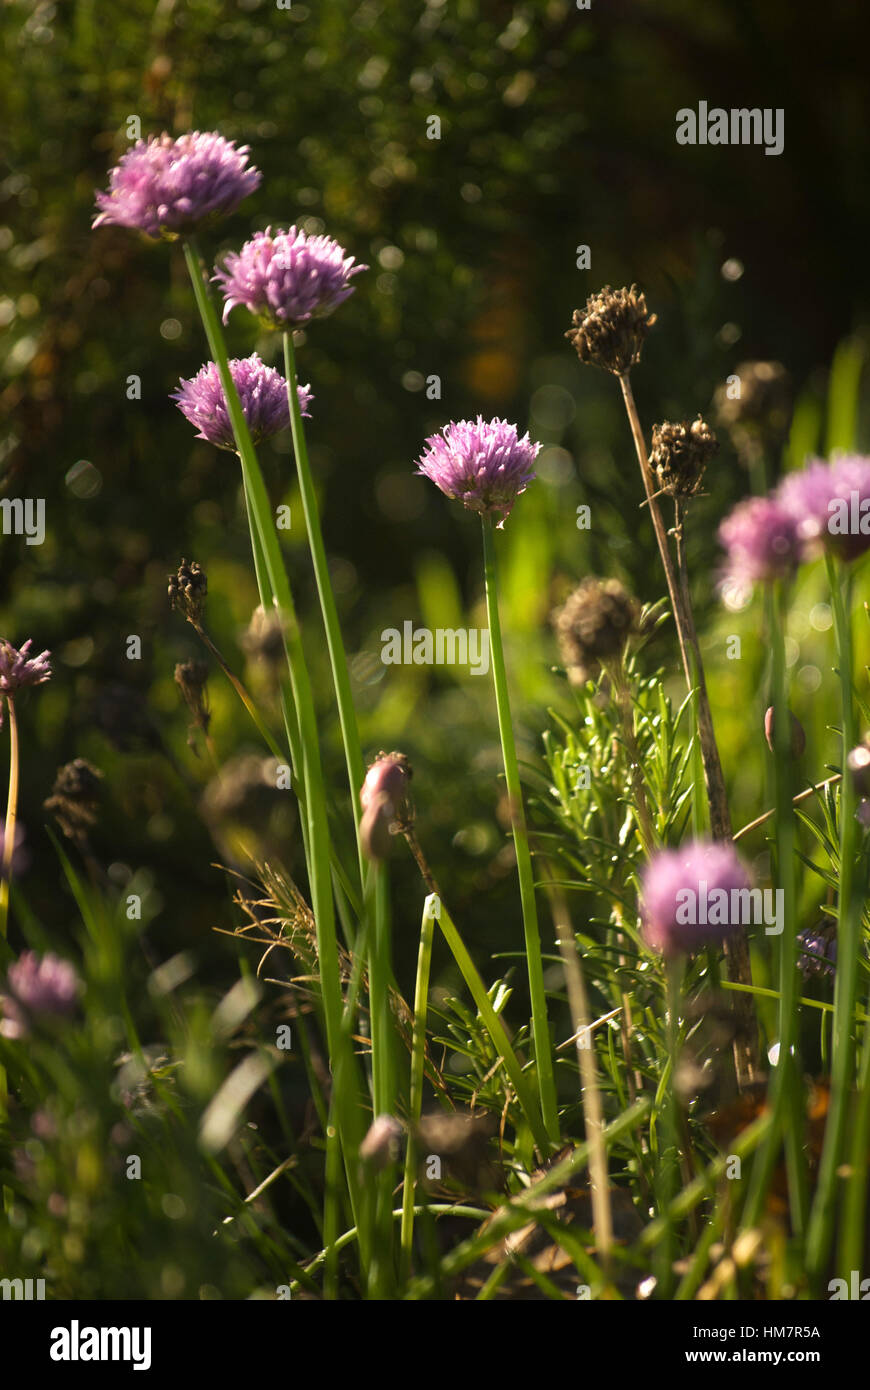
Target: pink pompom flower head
165 186
483 464
830 503
37 987
287 279
262 393
762 542
693 896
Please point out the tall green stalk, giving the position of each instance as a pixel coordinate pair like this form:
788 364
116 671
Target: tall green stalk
337 657
346 1090
853 1227
418 1059
383 1033
668 1168
540 1026
789 1064
787 1099
822 1218
494 1026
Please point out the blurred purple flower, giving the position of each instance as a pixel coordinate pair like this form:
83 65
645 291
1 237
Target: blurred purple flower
288 278
18 668
36 986
677 896
163 185
761 539
20 857
482 464
858 763
262 393
831 504
818 953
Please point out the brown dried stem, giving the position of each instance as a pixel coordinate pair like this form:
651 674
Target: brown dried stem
590 1095
736 951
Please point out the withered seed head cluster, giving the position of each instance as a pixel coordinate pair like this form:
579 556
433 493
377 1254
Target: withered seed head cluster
191 677
764 399
680 454
188 589
594 624
610 331
74 799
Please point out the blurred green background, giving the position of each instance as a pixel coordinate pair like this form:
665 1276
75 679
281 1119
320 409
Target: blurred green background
557 130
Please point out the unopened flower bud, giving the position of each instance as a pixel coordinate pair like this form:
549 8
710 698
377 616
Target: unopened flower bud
384 802
382 1144
798 740
263 640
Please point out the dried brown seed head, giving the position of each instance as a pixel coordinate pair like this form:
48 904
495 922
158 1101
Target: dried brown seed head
74 799
191 677
594 624
757 418
188 589
680 454
610 331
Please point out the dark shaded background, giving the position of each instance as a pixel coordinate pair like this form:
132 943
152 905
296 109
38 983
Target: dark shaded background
557 128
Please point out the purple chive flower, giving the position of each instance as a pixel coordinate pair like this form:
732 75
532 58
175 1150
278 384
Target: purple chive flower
483 464
818 953
831 504
762 542
262 393
37 986
693 896
288 278
167 186
18 668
